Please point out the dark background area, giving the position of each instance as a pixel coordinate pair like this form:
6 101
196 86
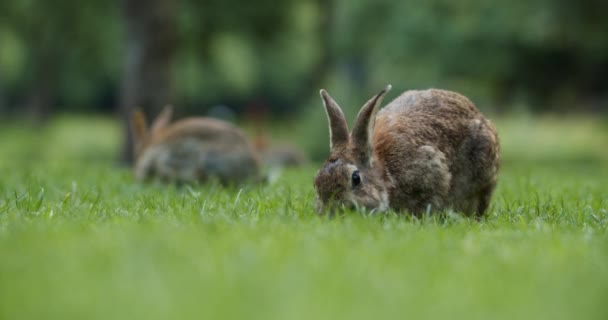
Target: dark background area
265 60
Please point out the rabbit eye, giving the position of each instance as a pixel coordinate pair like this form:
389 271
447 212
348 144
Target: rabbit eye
356 178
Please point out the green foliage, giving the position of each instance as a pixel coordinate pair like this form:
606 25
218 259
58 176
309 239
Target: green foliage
246 52
489 50
548 55
73 44
80 239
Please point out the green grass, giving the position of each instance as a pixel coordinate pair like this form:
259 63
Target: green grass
80 240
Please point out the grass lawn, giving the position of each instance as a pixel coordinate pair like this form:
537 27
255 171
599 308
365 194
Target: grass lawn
79 239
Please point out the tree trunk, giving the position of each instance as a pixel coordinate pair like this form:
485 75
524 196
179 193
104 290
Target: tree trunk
41 94
2 97
150 47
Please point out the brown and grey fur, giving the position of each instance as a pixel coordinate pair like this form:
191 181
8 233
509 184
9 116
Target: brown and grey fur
426 150
194 149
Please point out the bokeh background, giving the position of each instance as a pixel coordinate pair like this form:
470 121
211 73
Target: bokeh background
72 69
81 239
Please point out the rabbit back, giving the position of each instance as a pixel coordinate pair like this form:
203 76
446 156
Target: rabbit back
199 149
436 149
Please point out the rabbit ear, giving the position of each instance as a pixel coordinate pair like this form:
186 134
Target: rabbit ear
162 121
338 129
364 125
139 130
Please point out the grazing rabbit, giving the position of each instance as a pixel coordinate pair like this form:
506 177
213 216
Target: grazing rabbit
192 150
427 150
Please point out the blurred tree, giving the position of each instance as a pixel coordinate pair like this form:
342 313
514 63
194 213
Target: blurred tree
3 9
150 48
544 52
546 55
2 98
60 39
232 49
36 30
325 62
4 14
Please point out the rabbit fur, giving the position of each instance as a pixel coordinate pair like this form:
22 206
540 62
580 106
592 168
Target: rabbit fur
194 149
427 150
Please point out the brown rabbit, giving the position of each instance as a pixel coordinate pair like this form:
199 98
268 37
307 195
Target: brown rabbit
427 150
192 150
